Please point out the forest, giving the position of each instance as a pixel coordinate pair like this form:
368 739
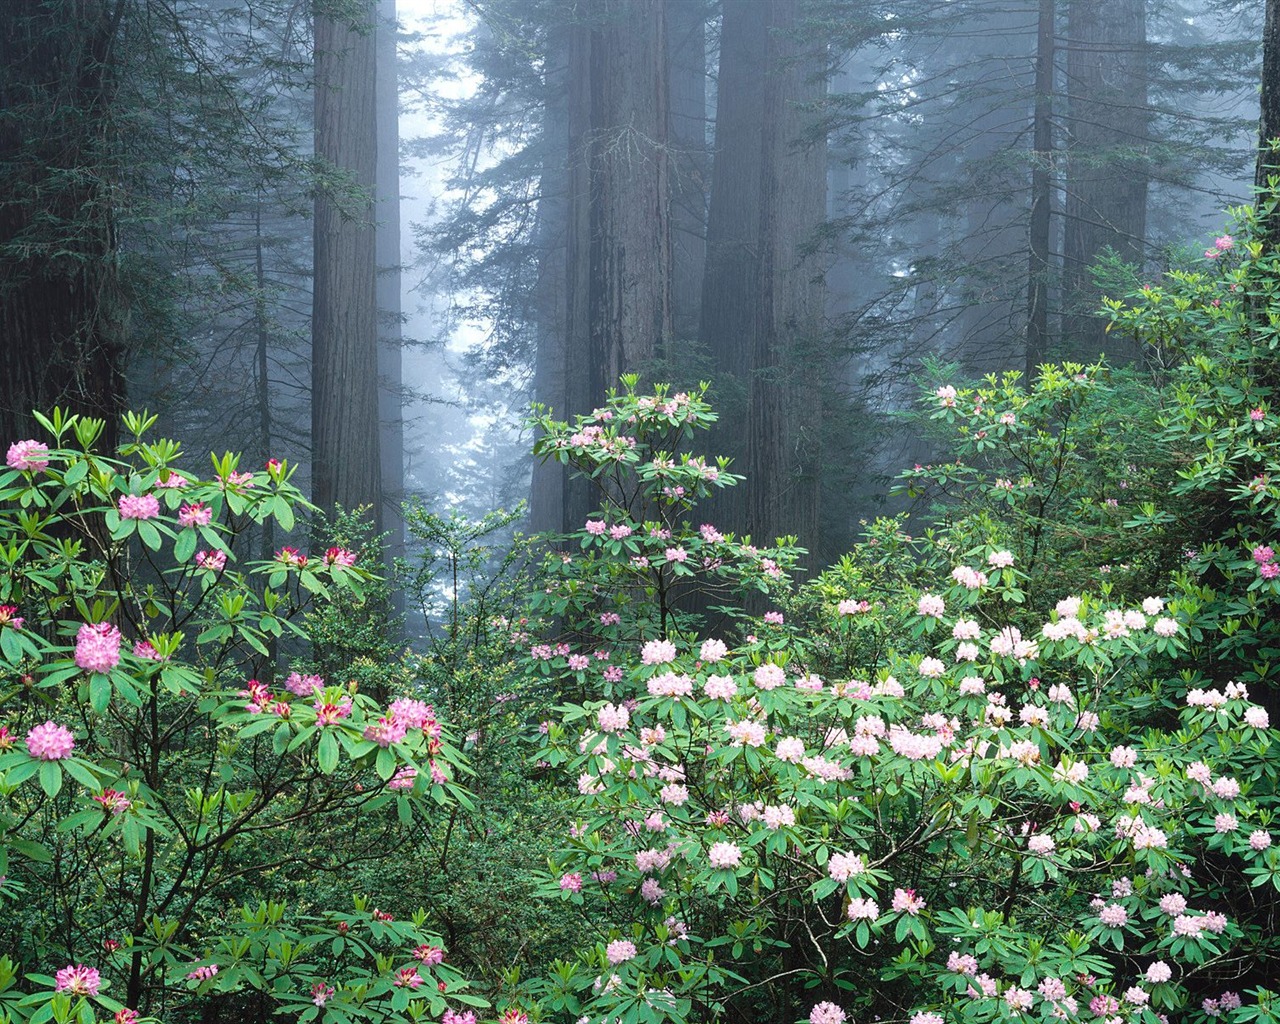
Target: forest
639 511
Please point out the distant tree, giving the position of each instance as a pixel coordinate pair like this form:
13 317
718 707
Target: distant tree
1268 163
1107 153
63 298
762 293
390 335
345 459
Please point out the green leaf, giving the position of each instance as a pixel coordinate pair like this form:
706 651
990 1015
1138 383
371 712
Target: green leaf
185 546
283 513
51 777
99 692
327 754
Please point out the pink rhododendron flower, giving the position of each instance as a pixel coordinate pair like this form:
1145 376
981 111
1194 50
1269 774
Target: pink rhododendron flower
113 801
769 676
1257 718
907 902
613 718
931 606
78 980
863 910
321 993
303 686
385 731
962 963
125 1016
429 954
926 1017
203 973
932 668
595 527
404 778
774 618
138 506
291 557
340 557
720 687
97 647
827 1013
195 514
746 733
724 855
658 652
50 742
145 650
28 456
790 749
713 651
619 951
214 561
1259 839
1041 845
407 977
571 882
1018 999
843 866
328 713
1000 559
1113 915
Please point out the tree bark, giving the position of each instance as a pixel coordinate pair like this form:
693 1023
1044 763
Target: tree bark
1106 175
62 340
387 252
618 252
1038 269
345 459
762 294
547 492
1268 164
690 162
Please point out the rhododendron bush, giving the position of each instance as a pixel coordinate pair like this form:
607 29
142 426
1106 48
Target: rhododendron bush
158 760
933 802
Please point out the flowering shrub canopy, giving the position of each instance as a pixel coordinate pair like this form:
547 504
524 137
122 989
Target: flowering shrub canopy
146 765
953 797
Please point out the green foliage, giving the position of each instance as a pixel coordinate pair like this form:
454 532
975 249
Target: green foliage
165 788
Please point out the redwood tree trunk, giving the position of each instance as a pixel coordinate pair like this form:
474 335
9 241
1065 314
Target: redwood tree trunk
1268 165
390 394
618 252
60 304
1106 180
345 459
1041 163
762 293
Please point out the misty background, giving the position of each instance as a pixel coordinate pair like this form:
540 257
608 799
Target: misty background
366 237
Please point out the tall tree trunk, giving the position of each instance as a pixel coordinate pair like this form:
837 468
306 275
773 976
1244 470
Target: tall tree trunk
390 379
1041 164
1268 165
345 459
1108 132
762 296
618 305
61 339
547 493
690 162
